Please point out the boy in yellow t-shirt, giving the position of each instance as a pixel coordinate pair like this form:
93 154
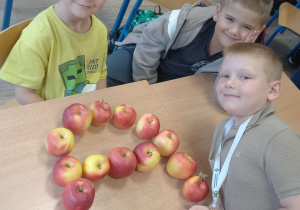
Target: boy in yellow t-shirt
61 52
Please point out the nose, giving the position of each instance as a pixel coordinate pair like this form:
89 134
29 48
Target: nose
231 83
235 30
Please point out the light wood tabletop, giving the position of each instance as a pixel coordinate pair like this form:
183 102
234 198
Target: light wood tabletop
185 105
26 166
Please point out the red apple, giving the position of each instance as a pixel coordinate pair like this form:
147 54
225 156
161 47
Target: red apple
79 194
95 167
66 169
122 162
195 188
147 156
101 112
181 165
167 142
60 142
147 126
77 118
124 116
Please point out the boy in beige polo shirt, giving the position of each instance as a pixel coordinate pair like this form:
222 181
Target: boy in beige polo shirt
263 170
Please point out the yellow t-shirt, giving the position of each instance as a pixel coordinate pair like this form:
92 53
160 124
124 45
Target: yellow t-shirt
56 61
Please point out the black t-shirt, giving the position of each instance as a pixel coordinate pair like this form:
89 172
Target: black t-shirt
187 60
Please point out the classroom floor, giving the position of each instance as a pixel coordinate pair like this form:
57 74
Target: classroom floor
23 10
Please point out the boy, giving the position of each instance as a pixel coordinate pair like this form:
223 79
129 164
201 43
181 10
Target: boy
62 52
264 167
187 41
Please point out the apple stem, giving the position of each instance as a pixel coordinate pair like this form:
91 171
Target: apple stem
80 190
102 103
68 165
203 176
149 153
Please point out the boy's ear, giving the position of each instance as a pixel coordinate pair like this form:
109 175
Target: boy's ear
275 89
217 13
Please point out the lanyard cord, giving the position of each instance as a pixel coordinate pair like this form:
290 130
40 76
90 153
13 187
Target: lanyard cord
220 175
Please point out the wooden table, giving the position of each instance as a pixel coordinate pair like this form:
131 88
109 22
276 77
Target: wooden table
185 105
26 166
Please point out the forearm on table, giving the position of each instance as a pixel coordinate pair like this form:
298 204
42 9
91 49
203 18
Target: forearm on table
101 84
26 96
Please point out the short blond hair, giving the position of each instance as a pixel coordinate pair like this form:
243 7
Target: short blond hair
262 7
272 64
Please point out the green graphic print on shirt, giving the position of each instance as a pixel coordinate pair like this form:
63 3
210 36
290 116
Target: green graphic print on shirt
73 75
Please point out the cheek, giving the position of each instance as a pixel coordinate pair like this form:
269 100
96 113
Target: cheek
244 34
218 89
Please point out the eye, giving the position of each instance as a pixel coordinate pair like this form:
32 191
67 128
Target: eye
230 19
224 76
245 77
247 28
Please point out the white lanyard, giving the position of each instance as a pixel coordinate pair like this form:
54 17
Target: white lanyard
219 177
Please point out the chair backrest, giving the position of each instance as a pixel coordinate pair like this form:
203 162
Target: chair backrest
289 17
9 37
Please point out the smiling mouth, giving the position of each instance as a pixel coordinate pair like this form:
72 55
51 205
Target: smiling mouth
231 38
231 96
84 6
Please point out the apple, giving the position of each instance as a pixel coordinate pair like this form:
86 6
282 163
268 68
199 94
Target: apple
95 167
101 112
195 188
60 142
124 116
167 142
66 169
147 126
77 118
79 194
147 156
181 165
122 162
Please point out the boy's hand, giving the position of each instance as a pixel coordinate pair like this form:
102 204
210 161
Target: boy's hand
254 34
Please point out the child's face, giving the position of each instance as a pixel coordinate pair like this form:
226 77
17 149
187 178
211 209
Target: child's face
84 8
243 88
234 23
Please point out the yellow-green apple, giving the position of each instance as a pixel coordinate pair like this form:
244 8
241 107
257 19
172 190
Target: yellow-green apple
147 126
195 188
77 118
66 169
124 116
122 162
167 142
60 142
147 156
181 165
95 167
79 194
101 112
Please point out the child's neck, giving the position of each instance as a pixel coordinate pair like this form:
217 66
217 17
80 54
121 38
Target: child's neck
78 25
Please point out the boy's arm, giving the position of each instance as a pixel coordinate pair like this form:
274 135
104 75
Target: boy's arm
101 84
149 48
290 203
26 96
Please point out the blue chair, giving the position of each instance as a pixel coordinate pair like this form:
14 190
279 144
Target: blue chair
7 13
288 18
119 19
